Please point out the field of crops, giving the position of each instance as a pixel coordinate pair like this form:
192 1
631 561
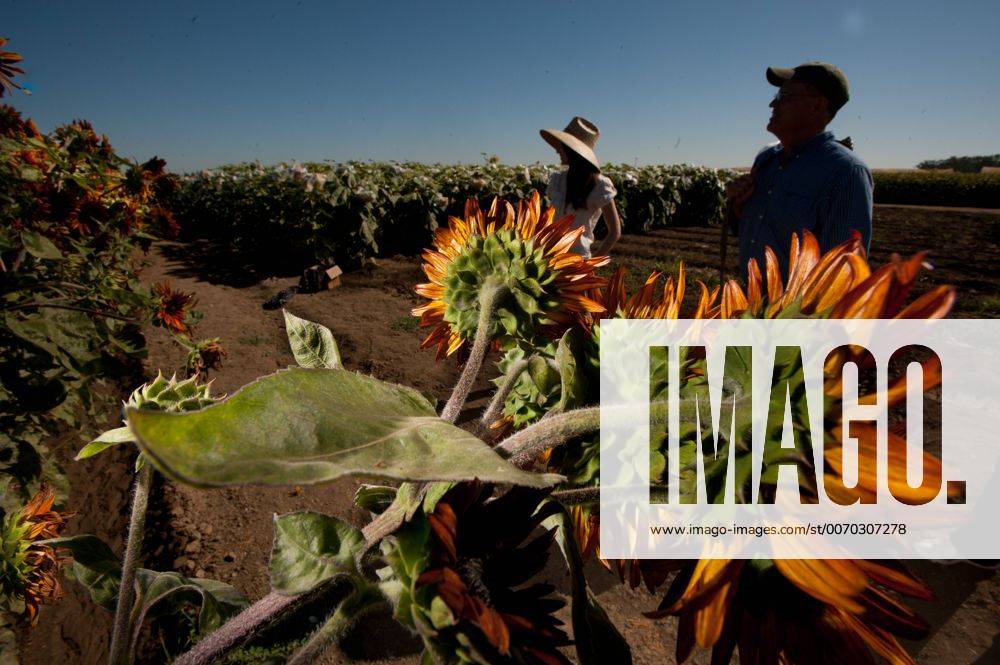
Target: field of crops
355 210
930 188
286 217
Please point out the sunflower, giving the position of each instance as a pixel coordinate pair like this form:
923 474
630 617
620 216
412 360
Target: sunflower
525 252
467 572
794 611
800 610
205 356
172 307
7 69
29 570
12 126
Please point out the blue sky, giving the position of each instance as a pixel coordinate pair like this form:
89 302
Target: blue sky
207 83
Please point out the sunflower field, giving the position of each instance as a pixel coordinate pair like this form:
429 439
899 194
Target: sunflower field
351 211
72 213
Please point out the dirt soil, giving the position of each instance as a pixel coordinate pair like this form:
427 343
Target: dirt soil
226 534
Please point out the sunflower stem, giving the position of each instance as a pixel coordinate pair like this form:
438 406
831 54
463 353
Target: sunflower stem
232 633
365 598
261 614
525 446
133 549
489 298
578 496
500 397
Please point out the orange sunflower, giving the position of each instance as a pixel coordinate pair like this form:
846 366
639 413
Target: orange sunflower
524 252
29 570
172 307
788 610
799 610
7 69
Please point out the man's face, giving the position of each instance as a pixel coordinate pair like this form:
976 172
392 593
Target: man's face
797 108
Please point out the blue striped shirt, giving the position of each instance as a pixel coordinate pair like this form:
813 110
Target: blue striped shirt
822 186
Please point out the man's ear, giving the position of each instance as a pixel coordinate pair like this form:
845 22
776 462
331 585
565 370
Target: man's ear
823 109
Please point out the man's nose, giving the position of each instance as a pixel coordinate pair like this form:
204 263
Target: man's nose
773 103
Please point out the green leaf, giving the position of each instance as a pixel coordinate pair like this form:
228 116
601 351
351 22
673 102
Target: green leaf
572 384
95 566
39 246
312 345
301 426
68 336
596 637
309 549
112 437
164 593
374 498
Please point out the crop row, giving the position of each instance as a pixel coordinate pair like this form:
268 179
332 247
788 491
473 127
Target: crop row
973 190
292 215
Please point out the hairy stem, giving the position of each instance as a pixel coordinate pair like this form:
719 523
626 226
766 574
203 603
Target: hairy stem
236 630
489 297
362 600
496 404
269 608
576 497
133 549
525 446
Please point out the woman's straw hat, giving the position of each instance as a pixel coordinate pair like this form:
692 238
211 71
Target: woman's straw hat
580 136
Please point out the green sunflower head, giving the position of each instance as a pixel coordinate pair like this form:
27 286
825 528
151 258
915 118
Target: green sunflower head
163 394
501 261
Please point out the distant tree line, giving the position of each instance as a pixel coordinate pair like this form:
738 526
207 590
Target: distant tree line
961 164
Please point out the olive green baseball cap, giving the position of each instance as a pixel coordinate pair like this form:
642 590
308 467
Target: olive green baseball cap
826 78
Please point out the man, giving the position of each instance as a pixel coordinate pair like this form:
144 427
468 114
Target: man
806 181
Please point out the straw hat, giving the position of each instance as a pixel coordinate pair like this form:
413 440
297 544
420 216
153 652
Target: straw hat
580 136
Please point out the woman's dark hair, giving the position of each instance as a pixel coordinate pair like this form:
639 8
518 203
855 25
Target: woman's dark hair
580 180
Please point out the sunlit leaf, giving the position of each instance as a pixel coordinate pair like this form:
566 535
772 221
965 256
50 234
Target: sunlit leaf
312 344
301 426
112 437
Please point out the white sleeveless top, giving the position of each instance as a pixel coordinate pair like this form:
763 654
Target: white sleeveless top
600 196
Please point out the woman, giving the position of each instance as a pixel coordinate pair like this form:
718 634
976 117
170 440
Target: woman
581 190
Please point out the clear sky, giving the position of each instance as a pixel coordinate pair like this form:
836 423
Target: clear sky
206 83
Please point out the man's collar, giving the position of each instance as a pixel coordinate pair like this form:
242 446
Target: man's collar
806 145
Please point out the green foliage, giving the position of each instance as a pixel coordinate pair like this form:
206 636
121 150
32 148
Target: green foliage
972 190
962 164
354 210
72 214
597 640
301 426
157 593
311 548
95 567
552 380
312 345
160 394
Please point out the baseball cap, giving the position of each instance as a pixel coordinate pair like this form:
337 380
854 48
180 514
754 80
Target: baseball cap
826 78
